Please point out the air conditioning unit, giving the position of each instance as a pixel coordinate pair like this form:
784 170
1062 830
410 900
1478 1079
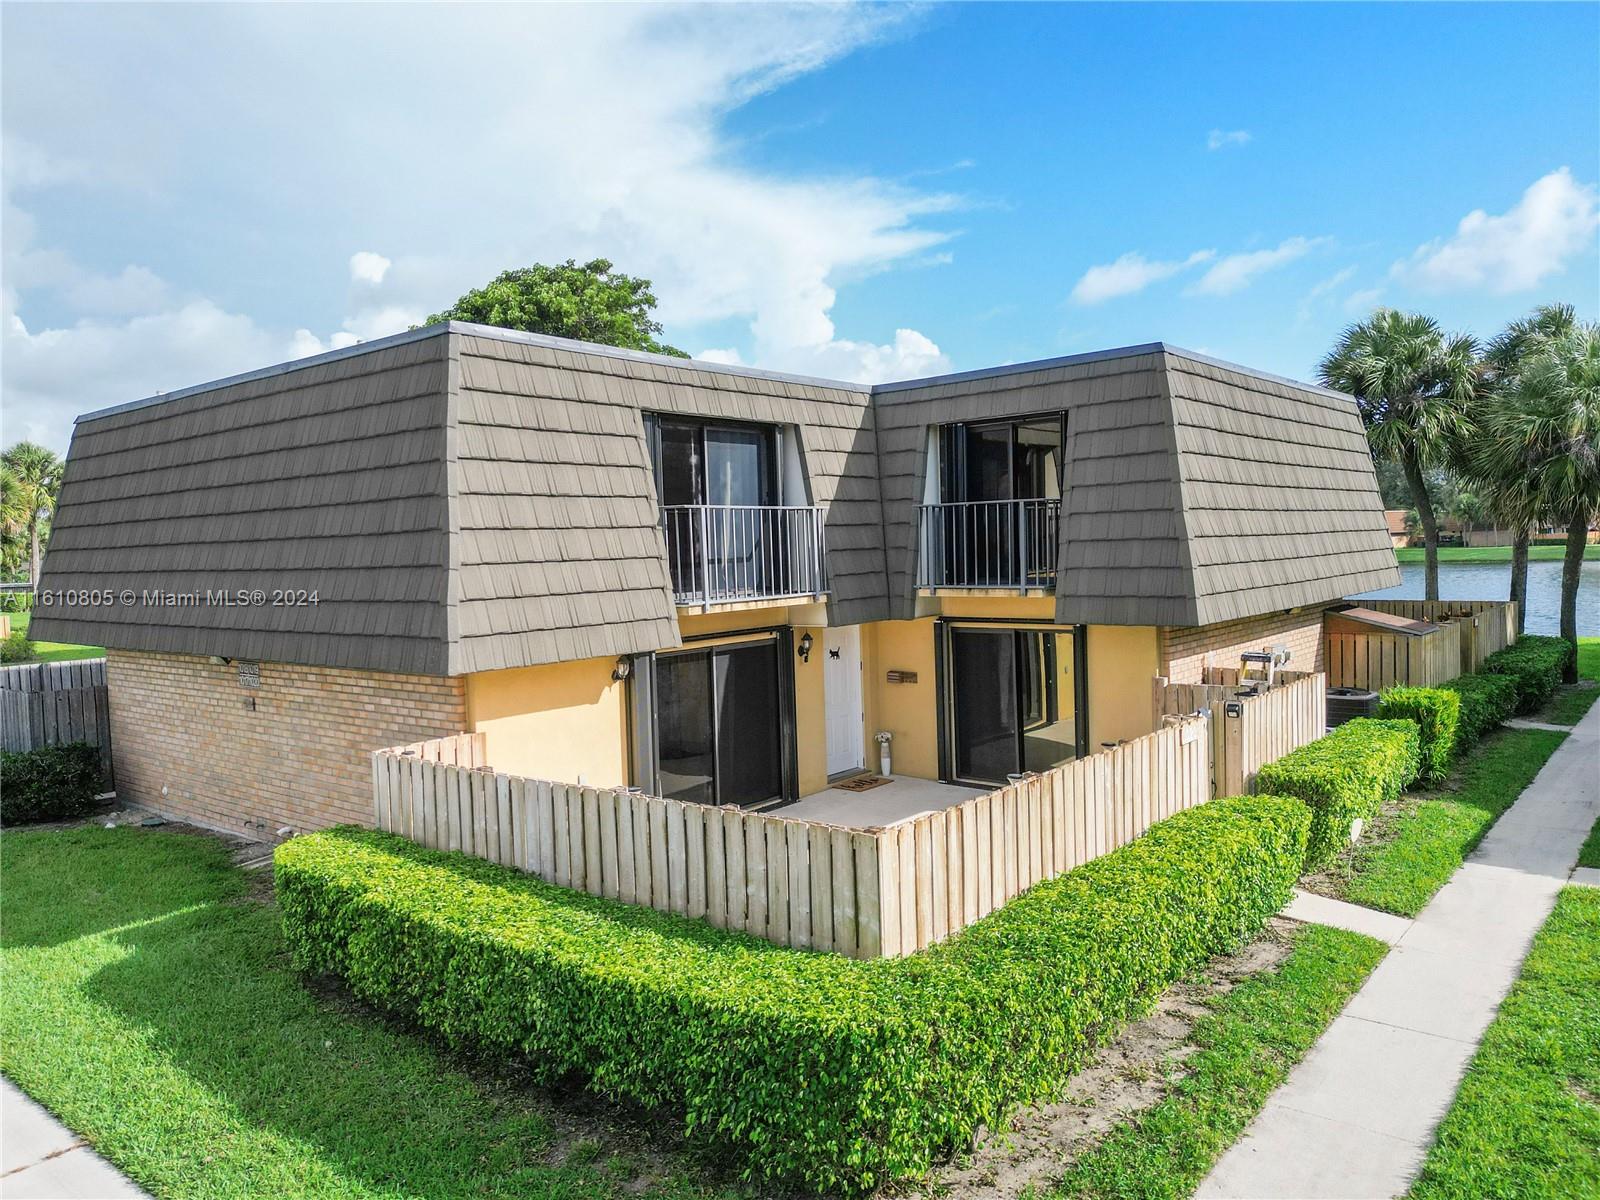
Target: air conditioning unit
1345 704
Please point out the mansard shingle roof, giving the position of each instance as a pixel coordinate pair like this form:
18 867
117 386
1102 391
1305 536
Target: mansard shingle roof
465 498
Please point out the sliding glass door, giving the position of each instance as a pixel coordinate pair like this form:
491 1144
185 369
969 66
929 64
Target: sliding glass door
720 724
1011 701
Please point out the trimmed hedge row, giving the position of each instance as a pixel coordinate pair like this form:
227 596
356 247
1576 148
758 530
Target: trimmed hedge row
1343 777
52 783
1437 712
1486 700
1536 664
815 1069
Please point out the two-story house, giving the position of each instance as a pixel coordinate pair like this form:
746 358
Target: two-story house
710 582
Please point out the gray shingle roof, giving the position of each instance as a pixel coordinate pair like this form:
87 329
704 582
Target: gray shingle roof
468 499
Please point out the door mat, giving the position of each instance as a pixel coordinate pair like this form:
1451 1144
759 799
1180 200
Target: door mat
861 783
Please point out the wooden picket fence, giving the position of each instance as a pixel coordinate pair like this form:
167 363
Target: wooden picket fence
1373 659
1248 732
865 893
1485 625
50 704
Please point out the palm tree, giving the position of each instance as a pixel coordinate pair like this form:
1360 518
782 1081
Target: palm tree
36 477
1509 497
1550 432
1414 385
13 522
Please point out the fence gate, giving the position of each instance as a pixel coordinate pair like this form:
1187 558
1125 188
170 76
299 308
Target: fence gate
49 704
1248 732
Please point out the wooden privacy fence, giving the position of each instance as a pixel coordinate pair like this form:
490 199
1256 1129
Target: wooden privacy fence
1248 732
865 893
48 704
1485 625
1373 659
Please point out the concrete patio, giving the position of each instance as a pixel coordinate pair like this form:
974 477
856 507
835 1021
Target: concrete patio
900 799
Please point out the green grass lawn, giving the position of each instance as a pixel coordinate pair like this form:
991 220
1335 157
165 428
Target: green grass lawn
1526 1122
1489 554
1569 704
53 651
1247 1044
149 1002
1589 856
1410 855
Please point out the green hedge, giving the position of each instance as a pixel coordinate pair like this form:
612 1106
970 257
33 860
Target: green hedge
1486 700
1346 776
1437 712
1535 663
812 1068
52 783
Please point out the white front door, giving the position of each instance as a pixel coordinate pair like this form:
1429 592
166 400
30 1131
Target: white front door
841 684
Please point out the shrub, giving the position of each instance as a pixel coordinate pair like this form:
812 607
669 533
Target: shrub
1437 712
1486 700
813 1068
1344 777
1536 663
52 783
15 647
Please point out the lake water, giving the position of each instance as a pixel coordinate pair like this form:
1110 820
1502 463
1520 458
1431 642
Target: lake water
1492 581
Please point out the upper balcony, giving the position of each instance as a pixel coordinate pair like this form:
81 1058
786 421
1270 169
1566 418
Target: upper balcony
732 497
733 554
992 511
988 545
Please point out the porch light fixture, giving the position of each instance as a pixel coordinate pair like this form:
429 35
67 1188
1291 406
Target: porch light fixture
622 670
805 648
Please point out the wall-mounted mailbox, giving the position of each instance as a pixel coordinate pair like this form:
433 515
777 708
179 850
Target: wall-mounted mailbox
902 676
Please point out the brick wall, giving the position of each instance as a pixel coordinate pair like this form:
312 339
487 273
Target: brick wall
299 758
1184 650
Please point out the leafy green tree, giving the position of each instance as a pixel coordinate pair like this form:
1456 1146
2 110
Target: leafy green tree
1549 430
1414 385
591 303
13 525
1510 499
35 479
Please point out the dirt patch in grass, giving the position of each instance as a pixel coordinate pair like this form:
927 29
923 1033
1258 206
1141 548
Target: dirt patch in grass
1333 880
1129 1075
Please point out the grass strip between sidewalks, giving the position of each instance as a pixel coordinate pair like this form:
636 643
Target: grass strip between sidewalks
1526 1122
1257 1032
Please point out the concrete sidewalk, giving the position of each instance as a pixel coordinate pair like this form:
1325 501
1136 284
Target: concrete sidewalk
41 1159
1356 1118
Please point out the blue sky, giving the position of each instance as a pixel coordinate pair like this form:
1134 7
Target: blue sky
860 192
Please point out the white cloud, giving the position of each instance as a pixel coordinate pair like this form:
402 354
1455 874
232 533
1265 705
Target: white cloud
132 290
1553 223
54 374
1217 139
642 173
1236 272
1129 274
367 267
910 356
1364 300
1330 283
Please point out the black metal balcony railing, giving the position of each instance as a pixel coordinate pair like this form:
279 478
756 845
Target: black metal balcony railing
989 544
722 554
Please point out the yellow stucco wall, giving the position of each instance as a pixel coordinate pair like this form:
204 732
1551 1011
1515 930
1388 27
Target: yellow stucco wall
569 721
907 710
1009 608
566 721
1122 660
